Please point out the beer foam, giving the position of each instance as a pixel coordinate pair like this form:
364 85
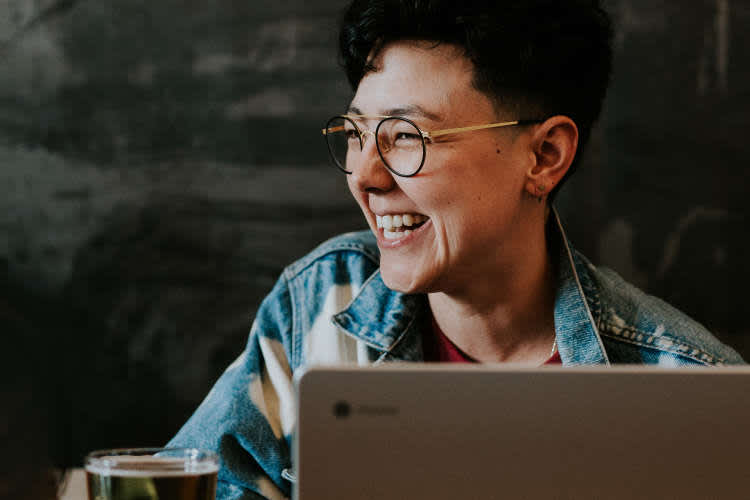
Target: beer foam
148 466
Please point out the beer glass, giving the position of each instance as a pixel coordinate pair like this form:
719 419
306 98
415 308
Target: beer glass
152 474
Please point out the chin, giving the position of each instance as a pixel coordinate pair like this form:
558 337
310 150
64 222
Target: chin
402 280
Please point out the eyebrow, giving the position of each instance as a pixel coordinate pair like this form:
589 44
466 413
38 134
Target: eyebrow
408 110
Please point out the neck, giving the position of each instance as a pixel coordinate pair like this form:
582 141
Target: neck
507 313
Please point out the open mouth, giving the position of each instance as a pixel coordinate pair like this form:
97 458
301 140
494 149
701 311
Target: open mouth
400 225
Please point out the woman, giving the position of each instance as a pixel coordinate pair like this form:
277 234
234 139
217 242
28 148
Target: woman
466 119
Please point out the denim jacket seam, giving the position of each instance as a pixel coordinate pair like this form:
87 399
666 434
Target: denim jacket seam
362 287
379 348
637 337
343 312
349 318
296 336
593 297
572 262
294 270
396 342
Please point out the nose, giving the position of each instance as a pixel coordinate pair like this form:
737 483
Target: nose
369 173
367 135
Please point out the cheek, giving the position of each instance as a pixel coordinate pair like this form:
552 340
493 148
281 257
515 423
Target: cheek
350 185
475 198
358 195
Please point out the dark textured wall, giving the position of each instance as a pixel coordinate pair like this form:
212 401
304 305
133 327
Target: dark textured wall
160 162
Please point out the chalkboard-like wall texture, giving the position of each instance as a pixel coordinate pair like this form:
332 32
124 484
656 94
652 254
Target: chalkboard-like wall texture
160 162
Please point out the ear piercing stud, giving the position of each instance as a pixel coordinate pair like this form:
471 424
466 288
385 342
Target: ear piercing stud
540 188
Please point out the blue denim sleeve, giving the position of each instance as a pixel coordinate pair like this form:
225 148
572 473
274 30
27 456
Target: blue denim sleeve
248 416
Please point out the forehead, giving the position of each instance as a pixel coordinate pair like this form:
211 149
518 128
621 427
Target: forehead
410 73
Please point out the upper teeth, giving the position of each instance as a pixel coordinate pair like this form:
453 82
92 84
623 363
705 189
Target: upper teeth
388 222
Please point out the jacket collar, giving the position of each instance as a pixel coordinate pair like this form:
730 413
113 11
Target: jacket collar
576 304
390 321
379 316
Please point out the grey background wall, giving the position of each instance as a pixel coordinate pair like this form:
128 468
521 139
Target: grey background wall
160 162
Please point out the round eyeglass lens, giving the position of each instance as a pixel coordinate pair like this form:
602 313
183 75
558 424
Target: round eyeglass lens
343 140
401 145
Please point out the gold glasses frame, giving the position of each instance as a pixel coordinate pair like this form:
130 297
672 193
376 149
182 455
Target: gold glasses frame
425 135
433 133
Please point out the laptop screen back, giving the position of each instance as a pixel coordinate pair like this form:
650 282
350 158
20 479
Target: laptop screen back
447 432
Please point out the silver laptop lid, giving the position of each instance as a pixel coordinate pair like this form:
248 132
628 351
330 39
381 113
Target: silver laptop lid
492 431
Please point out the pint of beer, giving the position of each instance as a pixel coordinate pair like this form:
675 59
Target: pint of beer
151 474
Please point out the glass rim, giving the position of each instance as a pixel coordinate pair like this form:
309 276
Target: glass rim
399 172
413 171
151 461
330 146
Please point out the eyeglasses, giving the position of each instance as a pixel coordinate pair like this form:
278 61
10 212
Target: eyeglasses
400 143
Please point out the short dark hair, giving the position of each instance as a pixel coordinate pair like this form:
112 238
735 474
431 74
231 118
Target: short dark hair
537 58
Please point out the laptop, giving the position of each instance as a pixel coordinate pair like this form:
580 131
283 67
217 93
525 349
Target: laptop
495 431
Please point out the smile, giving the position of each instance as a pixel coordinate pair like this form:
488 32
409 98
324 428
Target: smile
400 225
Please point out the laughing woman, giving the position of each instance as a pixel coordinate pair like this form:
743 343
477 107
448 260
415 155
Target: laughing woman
466 119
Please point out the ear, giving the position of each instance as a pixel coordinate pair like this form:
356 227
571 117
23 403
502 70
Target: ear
554 144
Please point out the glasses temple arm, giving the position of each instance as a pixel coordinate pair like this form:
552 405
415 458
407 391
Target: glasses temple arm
446 131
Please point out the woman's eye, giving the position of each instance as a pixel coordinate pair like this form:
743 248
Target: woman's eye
351 134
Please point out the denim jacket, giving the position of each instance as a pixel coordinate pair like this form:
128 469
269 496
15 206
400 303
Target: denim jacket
332 306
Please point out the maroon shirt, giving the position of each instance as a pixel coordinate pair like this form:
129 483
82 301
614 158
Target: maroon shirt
439 348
